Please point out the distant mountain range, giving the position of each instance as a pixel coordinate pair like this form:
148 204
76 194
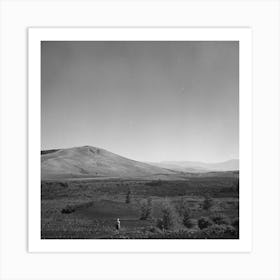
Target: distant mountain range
92 162
196 166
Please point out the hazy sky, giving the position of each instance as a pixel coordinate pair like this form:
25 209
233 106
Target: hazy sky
149 101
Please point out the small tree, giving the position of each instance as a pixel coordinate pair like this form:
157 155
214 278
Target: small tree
146 207
169 219
128 196
184 213
181 207
207 203
186 219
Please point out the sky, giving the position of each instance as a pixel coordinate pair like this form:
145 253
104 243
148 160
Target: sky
148 101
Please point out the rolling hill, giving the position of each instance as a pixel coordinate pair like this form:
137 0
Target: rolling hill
92 162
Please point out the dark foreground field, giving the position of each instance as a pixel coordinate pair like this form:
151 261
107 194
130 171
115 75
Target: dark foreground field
199 207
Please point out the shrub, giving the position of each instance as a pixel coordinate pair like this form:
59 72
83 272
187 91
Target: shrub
146 208
159 224
184 213
204 223
207 203
169 218
72 208
155 230
220 231
68 209
220 219
63 184
181 207
186 220
235 223
128 196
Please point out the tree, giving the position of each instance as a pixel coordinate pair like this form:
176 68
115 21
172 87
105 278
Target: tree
207 203
186 220
128 196
184 213
181 207
146 207
169 218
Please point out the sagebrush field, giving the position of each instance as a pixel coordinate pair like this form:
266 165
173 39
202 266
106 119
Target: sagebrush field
198 207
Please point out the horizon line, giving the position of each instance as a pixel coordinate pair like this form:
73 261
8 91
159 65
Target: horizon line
145 161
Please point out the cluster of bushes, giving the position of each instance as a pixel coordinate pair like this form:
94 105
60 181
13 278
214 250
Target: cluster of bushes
213 232
204 223
218 226
68 209
184 213
219 231
169 218
173 218
217 219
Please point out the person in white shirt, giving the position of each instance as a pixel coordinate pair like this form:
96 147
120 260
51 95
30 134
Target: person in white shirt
118 224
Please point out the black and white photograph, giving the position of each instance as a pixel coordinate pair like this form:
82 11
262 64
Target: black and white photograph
140 140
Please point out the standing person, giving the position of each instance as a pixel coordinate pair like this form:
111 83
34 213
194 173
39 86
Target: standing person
118 224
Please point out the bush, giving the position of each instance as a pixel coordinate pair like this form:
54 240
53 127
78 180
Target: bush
181 207
72 208
207 203
186 220
235 223
155 230
128 196
146 207
219 232
159 224
63 184
184 213
204 223
68 209
220 219
169 219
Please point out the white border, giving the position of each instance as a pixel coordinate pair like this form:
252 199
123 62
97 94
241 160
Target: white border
243 35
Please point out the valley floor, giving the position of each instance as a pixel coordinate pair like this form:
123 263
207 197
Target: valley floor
88 208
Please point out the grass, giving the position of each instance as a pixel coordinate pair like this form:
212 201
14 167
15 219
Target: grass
89 208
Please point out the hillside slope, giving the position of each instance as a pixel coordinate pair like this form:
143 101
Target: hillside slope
92 162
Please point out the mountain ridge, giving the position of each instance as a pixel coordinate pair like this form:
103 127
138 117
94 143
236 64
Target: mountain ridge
89 161
94 162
